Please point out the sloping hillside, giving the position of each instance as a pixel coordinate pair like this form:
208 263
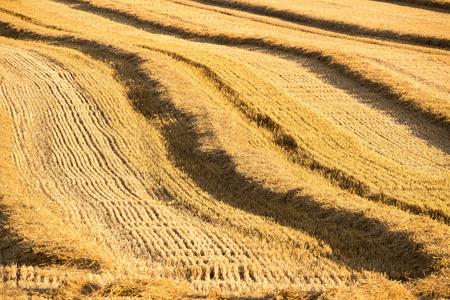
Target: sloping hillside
184 149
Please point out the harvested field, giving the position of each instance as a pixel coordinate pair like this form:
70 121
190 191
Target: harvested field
190 149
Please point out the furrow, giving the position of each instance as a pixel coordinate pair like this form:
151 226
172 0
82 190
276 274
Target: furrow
380 169
377 173
87 140
117 175
348 67
351 25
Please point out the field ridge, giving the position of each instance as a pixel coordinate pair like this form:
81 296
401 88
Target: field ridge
301 156
376 78
329 25
182 150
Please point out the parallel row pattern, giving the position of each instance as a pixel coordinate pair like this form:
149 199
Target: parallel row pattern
72 153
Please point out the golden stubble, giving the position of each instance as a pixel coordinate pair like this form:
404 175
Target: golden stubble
198 165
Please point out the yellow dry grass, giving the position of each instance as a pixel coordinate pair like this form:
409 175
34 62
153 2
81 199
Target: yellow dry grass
180 149
381 19
405 73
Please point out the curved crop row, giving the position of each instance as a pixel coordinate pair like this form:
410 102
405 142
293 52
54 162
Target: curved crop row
387 75
226 167
331 21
